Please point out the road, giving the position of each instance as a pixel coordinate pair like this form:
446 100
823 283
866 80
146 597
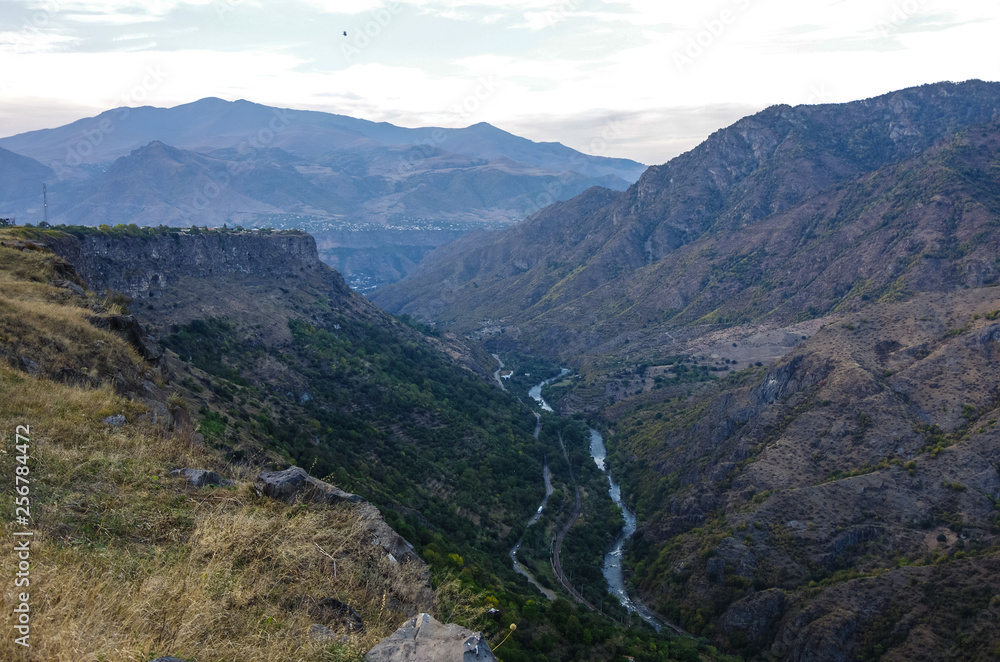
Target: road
547 477
496 376
557 565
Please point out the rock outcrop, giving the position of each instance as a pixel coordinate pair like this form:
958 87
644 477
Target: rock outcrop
130 329
424 639
146 266
295 484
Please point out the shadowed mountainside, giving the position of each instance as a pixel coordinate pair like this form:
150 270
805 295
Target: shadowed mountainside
843 201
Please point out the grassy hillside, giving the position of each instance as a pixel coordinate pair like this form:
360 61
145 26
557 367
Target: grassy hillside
126 561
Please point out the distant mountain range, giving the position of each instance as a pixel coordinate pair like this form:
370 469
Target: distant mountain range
215 162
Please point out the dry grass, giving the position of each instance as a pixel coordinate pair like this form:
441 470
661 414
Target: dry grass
240 589
129 563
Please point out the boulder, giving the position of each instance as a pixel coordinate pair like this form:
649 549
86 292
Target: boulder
295 484
71 286
29 366
424 639
116 421
324 634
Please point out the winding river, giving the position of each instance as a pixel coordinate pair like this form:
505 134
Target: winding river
612 569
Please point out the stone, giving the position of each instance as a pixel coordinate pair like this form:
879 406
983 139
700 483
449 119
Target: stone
71 286
295 484
116 421
202 477
424 639
29 366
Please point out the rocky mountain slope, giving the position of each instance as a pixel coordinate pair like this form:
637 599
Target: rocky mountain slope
789 337
844 501
788 214
21 181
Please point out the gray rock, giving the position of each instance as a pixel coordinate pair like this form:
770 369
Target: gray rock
116 421
715 570
29 366
435 642
71 286
295 484
130 329
202 477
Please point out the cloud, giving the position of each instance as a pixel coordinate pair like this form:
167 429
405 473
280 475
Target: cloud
351 7
25 42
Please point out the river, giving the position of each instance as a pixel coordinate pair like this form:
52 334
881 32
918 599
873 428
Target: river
612 568
535 392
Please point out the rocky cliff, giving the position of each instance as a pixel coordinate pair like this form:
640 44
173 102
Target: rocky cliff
148 265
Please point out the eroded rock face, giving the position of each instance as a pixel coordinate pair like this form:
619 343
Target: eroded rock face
755 616
130 329
424 639
144 267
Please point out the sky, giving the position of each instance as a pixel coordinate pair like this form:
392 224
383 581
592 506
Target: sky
642 79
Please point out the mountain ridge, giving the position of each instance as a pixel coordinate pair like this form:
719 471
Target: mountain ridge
567 253
229 123
241 163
